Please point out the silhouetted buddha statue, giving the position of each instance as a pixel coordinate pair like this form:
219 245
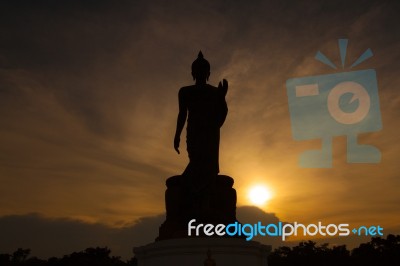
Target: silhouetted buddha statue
205 108
200 192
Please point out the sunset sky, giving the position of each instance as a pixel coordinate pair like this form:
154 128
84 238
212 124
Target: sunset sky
88 106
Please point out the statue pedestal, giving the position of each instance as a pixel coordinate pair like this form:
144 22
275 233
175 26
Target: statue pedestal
193 251
216 207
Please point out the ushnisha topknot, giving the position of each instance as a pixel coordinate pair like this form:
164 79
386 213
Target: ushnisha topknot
200 64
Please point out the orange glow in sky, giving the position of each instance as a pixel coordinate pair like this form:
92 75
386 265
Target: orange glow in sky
89 100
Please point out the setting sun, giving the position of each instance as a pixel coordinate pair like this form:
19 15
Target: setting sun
259 195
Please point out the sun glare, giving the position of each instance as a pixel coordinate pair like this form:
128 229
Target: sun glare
259 195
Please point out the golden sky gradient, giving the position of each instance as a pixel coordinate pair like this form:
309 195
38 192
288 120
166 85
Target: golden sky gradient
88 105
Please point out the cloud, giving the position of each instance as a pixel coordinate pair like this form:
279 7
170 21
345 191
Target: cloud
253 215
48 237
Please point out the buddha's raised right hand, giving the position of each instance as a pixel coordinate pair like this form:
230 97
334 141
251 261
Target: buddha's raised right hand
223 86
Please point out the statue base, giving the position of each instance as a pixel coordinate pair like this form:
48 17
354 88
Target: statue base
215 204
193 251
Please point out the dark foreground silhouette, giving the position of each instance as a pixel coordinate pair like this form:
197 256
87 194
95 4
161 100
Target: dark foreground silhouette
377 252
199 193
205 108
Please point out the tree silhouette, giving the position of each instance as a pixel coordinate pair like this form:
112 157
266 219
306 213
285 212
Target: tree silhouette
378 251
90 256
308 253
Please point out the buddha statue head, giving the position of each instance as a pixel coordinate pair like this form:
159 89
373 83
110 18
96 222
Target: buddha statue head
200 69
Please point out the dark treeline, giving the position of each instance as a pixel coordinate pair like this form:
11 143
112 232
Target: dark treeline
377 252
90 256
